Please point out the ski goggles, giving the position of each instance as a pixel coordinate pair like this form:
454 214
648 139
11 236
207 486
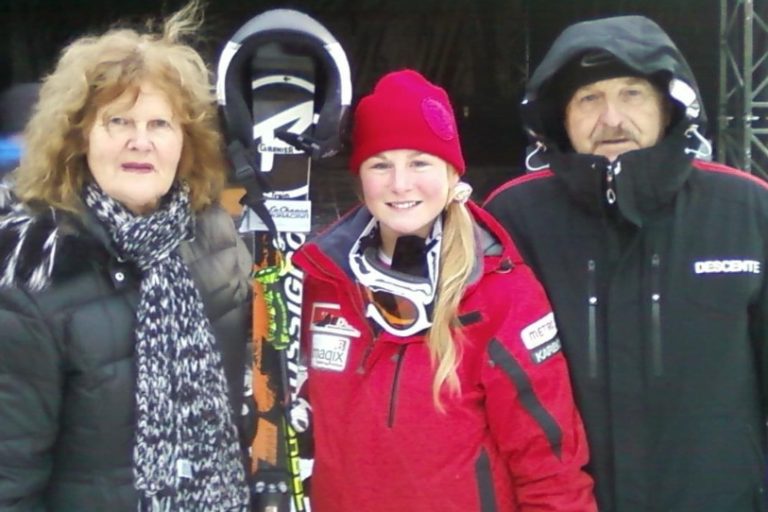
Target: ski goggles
398 302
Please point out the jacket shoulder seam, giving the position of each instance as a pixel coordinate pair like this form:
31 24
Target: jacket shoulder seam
731 171
538 175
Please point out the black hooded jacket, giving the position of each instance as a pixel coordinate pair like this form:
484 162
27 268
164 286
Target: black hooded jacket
660 295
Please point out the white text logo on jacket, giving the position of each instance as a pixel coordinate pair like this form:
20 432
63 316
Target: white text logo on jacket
540 338
727 267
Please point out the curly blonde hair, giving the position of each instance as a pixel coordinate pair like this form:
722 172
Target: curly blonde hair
95 70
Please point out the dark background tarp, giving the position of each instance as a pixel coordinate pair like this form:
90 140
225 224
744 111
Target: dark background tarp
480 50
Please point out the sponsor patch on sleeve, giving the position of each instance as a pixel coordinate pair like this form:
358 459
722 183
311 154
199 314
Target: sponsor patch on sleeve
544 352
539 332
540 338
326 317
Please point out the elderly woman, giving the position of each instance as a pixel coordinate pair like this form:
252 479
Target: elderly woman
124 289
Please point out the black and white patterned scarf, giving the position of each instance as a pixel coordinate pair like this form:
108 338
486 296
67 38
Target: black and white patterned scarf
186 456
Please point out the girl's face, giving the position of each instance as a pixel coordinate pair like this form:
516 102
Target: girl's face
405 190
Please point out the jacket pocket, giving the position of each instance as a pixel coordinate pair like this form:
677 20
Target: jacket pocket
708 463
721 287
526 395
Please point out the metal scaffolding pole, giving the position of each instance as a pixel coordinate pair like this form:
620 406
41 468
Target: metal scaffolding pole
742 135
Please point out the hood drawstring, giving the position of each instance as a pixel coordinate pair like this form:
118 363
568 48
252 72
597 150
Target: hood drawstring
529 167
704 149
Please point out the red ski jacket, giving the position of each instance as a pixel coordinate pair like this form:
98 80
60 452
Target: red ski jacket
512 440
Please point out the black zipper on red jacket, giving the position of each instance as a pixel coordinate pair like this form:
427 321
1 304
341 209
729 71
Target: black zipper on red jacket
484 477
658 366
592 318
395 386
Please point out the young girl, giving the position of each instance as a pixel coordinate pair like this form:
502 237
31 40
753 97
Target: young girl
436 376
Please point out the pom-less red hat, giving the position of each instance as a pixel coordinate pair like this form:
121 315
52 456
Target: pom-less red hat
405 111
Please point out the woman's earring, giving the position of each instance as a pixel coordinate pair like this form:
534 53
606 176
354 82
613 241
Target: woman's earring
461 192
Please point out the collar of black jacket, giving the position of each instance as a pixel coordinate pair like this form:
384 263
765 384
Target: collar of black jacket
645 180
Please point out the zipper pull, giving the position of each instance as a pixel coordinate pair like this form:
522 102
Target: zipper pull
592 318
364 360
610 182
656 342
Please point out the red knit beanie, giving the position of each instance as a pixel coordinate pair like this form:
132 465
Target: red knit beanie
405 111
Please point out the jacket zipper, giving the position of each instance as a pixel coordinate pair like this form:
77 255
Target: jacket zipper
395 382
658 367
592 318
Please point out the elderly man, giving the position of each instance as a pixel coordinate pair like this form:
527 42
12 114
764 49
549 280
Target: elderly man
654 259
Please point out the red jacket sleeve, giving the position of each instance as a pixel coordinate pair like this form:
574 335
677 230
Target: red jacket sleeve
530 407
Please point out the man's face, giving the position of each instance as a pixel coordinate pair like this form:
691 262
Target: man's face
613 116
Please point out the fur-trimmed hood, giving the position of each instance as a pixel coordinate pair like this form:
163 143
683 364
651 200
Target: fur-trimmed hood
36 247
28 246
44 247
7 199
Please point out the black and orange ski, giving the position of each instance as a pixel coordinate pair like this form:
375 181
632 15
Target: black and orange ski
283 88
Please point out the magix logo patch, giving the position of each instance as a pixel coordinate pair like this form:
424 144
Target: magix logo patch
540 338
331 337
727 267
329 352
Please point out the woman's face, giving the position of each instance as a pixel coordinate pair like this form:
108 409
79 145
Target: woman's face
405 190
134 148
